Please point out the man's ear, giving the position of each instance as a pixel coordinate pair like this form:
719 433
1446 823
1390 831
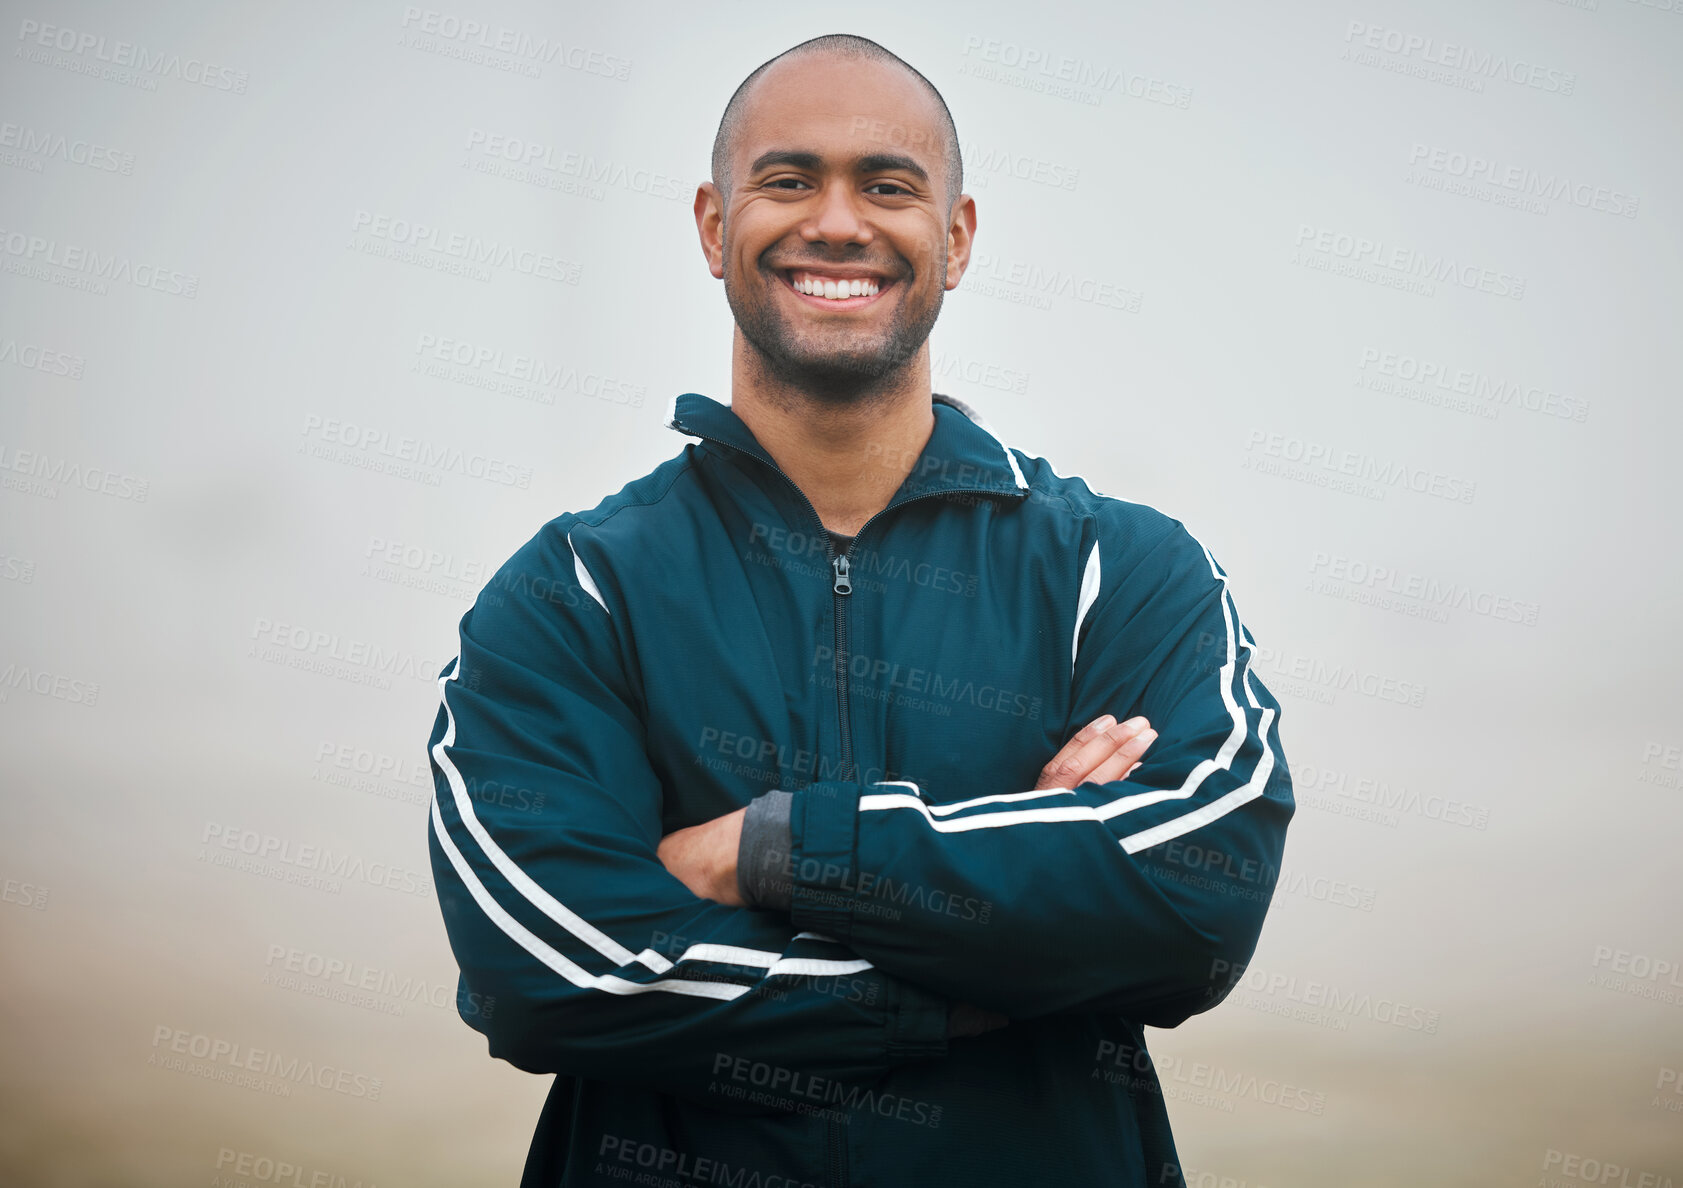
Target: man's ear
961 236
710 225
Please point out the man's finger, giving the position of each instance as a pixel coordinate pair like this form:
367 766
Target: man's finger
1090 747
1074 745
1119 765
1104 745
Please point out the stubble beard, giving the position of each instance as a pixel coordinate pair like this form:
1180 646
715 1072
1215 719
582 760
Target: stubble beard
869 365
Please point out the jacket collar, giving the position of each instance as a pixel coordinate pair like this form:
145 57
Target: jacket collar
963 453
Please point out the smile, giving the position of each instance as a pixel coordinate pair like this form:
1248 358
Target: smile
834 291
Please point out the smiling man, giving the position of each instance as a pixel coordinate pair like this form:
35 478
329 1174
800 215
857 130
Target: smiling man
799 805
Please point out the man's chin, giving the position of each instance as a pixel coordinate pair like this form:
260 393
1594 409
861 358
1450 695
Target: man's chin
839 377
834 367
840 367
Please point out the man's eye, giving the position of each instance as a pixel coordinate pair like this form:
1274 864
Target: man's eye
892 186
792 180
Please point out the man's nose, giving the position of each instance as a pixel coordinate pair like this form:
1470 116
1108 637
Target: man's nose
836 218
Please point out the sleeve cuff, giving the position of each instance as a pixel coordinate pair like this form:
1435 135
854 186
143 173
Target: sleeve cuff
762 858
822 831
918 1027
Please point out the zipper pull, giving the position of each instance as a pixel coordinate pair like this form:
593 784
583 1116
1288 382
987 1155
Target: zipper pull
843 584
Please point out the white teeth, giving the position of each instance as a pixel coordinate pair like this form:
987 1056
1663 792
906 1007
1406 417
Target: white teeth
837 290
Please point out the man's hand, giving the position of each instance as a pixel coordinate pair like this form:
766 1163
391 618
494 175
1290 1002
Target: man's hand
703 857
1101 751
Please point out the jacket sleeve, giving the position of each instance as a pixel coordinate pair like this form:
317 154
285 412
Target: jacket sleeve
580 953
1140 897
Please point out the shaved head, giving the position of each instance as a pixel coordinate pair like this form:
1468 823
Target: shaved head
835 45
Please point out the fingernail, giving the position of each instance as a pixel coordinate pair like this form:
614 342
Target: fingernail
1105 722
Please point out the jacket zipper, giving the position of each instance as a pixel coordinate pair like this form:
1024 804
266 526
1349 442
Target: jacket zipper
838 1164
840 587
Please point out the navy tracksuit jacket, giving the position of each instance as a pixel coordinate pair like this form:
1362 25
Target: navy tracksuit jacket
690 643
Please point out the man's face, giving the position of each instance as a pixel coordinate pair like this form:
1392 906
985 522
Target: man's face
837 180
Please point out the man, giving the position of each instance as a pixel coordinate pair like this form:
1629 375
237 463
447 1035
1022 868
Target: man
763 820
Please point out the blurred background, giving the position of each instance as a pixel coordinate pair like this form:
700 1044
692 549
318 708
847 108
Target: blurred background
310 314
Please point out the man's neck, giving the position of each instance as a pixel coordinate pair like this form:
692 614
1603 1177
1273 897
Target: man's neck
847 459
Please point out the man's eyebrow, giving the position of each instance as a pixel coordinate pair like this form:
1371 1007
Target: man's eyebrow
889 162
871 163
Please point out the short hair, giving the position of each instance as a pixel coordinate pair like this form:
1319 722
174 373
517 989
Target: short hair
844 45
